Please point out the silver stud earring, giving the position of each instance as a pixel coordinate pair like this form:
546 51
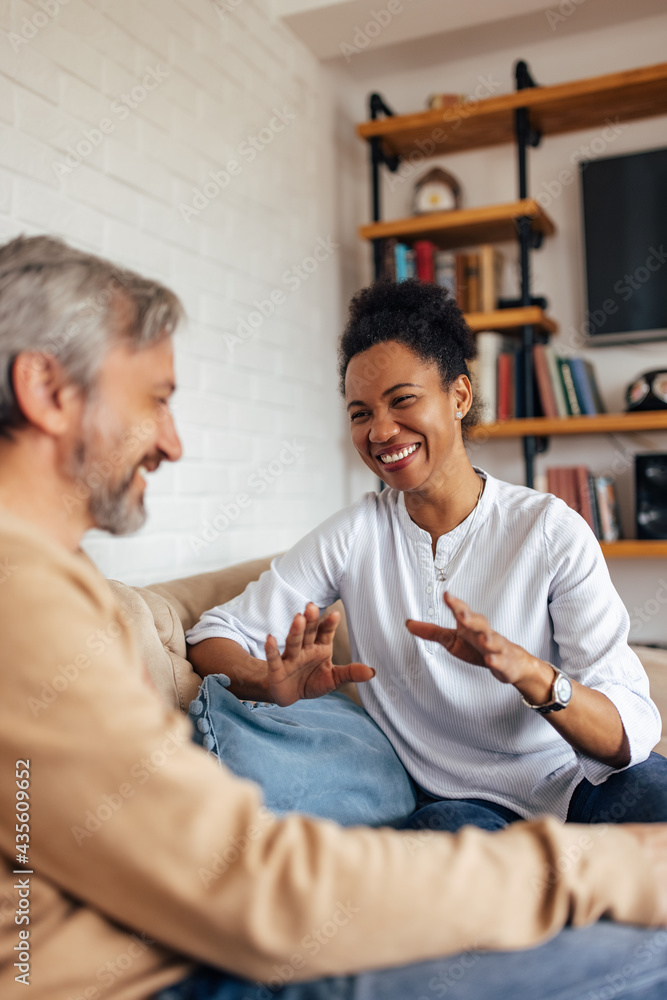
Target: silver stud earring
459 415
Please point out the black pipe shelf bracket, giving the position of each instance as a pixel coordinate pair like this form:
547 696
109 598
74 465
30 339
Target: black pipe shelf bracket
529 239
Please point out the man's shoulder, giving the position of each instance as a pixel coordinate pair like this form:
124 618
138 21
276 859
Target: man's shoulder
33 566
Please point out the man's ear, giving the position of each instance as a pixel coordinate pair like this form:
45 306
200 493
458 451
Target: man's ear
45 396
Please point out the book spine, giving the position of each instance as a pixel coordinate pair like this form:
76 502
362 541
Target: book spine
592 492
445 271
581 475
425 264
400 251
505 364
489 345
557 385
472 271
461 282
547 397
568 386
595 392
583 389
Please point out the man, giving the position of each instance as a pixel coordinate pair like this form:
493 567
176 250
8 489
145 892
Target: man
108 814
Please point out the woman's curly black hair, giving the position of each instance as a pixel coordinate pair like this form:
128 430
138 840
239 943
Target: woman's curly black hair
422 316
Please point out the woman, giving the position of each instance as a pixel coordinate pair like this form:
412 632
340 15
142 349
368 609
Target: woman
526 705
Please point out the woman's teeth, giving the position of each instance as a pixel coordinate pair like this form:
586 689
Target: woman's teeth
397 456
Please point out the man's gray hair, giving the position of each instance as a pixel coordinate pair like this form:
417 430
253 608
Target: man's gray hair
74 306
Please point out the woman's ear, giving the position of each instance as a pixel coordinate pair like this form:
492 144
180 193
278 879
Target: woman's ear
462 395
44 395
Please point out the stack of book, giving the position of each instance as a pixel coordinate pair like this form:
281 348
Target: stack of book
562 387
566 386
473 279
594 497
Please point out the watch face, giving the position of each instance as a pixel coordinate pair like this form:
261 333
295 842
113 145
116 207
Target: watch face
562 689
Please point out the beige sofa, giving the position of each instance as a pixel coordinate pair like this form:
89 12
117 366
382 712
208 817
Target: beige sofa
162 612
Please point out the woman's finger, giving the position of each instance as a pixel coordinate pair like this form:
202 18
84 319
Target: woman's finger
294 640
327 629
311 615
433 633
274 660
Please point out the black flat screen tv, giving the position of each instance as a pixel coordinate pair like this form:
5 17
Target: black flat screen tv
624 201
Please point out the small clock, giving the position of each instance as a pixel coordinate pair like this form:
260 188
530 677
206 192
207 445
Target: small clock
436 191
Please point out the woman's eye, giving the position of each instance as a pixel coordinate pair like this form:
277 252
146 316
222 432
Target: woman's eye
403 399
358 414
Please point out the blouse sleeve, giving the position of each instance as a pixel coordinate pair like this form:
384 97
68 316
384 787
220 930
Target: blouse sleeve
590 628
310 571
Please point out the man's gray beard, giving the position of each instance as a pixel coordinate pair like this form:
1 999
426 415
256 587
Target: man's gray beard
109 503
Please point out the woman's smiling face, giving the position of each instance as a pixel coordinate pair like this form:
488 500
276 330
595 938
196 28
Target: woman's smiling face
403 423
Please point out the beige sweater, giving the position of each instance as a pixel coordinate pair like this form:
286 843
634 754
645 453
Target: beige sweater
143 850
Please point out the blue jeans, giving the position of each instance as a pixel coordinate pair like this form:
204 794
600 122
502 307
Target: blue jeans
637 795
603 962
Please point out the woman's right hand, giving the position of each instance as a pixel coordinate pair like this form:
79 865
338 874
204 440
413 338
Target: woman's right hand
305 669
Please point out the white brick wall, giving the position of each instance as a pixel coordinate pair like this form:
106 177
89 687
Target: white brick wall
236 408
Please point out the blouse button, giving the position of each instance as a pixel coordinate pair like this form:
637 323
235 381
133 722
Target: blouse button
431 611
429 589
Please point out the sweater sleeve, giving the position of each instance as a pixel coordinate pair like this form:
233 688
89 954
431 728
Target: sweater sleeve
590 627
310 571
133 820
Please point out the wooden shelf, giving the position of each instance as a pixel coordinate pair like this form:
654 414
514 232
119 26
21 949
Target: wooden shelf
634 548
466 227
510 319
593 103
601 423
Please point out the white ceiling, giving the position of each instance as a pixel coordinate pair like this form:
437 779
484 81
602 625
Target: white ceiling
327 26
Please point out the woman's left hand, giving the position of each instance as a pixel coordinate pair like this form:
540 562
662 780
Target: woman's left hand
474 641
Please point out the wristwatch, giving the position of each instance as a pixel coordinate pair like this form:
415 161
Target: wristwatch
561 693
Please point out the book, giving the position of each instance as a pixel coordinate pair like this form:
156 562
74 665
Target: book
584 498
400 257
389 262
472 281
582 387
505 393
543 378
568 386
410 263
557 385
592 381
489 346
491 267
462 282
424 260
610 525
445 270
